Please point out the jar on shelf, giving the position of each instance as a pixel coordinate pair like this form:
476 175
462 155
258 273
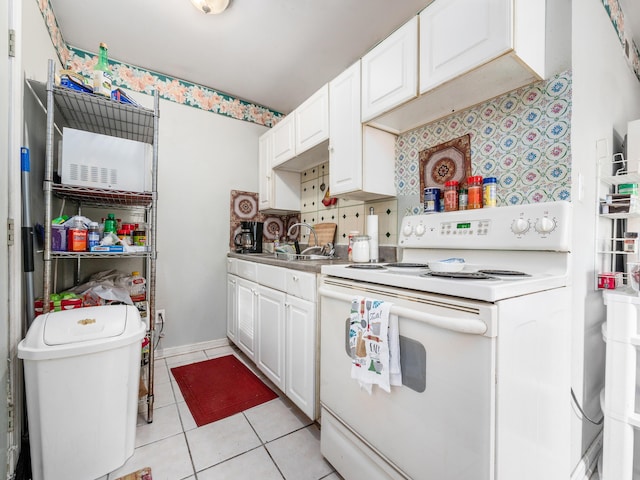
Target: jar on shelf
450 196
93 236
360 249
474 186
463 199
490 191
431 200
77 237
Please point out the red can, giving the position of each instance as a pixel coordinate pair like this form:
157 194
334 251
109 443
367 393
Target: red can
475 191
450 196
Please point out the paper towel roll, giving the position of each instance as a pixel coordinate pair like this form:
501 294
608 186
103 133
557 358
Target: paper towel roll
372 231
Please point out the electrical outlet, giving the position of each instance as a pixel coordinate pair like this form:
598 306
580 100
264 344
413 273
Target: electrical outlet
161 316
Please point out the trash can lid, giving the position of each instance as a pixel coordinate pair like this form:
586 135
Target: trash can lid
84 324
81 331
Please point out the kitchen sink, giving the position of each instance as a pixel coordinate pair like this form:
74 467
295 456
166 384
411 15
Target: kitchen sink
301 256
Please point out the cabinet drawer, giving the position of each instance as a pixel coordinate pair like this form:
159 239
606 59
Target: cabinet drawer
232 266
301 284
247 270
273 277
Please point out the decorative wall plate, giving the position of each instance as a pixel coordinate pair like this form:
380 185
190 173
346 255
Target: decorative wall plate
244 206
448 161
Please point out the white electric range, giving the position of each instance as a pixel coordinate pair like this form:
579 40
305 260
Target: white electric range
485 358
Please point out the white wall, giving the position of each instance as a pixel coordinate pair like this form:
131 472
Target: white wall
606 94
202 157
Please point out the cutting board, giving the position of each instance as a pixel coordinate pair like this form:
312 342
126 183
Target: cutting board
325 231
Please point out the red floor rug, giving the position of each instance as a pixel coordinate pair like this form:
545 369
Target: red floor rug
220 387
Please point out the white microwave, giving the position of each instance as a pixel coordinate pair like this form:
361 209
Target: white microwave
101 161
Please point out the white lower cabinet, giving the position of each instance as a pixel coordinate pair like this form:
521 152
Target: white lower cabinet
271 333
246 310
273 320
232 315
302 355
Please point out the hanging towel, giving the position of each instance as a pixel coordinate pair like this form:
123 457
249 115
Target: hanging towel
374 344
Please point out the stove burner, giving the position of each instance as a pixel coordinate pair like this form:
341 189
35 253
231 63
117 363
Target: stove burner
366 266
406 265
505 273
464 275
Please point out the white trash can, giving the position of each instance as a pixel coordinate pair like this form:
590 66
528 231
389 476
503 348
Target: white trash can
82 371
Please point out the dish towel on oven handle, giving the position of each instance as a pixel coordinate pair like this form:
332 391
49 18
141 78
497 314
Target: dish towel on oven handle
374 344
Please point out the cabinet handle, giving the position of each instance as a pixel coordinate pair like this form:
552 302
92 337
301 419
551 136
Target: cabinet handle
295 278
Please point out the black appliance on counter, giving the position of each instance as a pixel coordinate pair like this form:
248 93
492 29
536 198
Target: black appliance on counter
249 240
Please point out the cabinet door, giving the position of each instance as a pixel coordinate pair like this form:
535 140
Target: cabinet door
284 145
345 144
265 182
301 334
246 294
232 316
271 334
390 71
458 35
312 121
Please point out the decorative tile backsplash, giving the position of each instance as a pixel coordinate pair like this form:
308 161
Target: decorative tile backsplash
521 138
244 208
349 215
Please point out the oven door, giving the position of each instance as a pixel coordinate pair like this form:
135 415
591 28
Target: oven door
440 424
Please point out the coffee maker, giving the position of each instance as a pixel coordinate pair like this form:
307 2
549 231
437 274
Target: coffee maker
249 240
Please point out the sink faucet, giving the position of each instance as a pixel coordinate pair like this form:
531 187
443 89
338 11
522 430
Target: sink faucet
315 237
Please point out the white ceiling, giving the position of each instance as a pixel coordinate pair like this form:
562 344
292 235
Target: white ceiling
275 53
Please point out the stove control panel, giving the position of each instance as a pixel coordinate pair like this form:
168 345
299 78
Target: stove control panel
536 226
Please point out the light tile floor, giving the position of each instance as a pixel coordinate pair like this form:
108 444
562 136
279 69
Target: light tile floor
271 441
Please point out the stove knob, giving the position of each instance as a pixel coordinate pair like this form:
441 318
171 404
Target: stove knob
519 226
420 230
545 225
407 230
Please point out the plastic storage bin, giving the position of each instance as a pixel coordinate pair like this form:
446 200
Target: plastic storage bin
82 370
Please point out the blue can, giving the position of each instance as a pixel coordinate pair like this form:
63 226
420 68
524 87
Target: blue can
431 200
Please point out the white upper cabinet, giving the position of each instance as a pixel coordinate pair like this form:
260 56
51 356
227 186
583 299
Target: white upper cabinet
264 170
278 191
390 71
451 44
475 50
361 159
299 140
283 142
345 145
312 120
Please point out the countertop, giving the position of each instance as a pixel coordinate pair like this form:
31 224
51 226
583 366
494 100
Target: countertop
387 254
312 266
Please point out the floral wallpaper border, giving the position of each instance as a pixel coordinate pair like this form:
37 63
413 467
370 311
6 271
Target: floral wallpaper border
617 20
145 81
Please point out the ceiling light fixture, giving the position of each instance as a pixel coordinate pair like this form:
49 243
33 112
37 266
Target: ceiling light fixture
211 6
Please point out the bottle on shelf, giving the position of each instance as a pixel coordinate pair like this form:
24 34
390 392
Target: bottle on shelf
489 186
102 78
137 287
474 185
451 196
93 236
77 237
110 224
139 235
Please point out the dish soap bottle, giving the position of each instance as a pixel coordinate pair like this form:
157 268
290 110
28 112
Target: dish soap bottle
102 79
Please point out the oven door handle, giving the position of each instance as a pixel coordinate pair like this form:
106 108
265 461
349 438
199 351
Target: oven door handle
467 325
